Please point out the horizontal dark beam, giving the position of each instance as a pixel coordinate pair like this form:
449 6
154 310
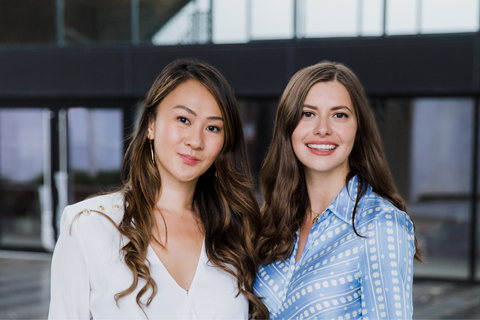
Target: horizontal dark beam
387 66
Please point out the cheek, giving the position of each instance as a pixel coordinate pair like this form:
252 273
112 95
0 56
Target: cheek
217 146
167 133
346 132
298 136
213 144
352 134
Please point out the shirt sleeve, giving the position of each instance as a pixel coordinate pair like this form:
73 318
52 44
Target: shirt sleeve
70 288
386 266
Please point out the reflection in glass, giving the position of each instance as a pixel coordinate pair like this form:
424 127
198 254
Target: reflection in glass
441 174
175 22
95 151
402 17
21 175
27 21
272 19
324 18
258 117
477 230
89 21
229 21
372 17
438 184
439 16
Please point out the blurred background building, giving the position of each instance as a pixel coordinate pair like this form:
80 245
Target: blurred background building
73 74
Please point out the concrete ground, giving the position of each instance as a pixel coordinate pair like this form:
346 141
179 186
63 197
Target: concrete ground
25 281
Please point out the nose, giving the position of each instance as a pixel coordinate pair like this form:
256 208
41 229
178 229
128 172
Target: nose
322 127
194 137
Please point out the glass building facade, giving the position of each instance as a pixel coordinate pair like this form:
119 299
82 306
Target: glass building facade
431 140
172 22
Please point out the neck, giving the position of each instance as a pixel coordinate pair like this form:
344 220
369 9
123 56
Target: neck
323 187
176 195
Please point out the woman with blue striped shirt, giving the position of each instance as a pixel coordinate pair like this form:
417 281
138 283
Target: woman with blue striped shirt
337 242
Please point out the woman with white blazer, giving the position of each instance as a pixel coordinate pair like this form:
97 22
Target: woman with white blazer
177 241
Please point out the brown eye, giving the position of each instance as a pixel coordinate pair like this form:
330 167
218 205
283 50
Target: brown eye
213 128
183 120
307 114
341 115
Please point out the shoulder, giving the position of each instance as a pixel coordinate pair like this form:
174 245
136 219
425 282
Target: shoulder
93 209
381 212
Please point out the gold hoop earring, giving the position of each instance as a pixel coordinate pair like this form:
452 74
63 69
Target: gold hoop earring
151 151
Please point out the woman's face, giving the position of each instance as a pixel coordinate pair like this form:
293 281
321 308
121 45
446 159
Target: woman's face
324 137
188 132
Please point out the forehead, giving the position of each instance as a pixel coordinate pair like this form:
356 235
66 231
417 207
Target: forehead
193 95
330 93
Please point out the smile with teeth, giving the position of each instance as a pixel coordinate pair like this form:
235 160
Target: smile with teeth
322 147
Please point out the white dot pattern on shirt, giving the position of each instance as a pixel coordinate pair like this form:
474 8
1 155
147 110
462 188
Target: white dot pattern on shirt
342 276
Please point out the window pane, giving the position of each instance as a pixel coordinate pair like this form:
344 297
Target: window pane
325 18
97 21
372 17
441 174
402 17
21 175
175 22
477 231
449 16
95 150
230 21
257 117
27 21
272 19
432 168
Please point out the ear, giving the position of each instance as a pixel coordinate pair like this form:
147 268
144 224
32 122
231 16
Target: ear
151 129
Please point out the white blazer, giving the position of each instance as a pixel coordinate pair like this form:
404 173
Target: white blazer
88 270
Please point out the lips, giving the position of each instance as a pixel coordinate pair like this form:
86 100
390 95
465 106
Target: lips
322 148
189 159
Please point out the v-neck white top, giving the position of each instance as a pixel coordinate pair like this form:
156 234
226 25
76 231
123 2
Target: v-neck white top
88 270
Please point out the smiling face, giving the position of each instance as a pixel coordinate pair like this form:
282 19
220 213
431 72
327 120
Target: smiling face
324 137
188 132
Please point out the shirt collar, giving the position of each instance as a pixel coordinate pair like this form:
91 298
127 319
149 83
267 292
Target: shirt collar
343 204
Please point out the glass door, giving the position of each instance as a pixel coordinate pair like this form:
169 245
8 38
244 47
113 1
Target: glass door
50 159
95 151
25 179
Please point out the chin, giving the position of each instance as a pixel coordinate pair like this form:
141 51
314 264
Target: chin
187 177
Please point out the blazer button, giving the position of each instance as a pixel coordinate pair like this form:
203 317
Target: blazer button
86 212
101 208
116 207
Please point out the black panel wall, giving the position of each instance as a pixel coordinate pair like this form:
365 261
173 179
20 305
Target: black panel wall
403 65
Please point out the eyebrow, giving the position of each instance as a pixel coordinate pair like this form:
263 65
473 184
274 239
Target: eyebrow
333 108
341 107
195 114
186 109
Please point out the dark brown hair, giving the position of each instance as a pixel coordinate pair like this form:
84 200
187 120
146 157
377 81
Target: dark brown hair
223 198
282 178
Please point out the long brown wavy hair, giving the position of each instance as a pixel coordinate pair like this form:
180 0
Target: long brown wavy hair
223 198
282 179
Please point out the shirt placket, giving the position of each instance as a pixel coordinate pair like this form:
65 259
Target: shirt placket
314 234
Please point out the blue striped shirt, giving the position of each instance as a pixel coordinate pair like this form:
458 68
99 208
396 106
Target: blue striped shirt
343 276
